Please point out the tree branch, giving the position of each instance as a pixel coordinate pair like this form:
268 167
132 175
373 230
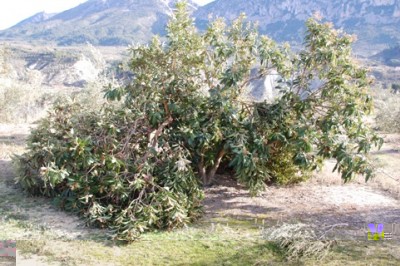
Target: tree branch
153 140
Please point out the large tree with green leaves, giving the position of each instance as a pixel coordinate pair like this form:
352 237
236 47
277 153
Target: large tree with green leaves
185 114
192 87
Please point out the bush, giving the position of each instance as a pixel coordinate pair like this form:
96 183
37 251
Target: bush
284 172
18 102
23 99
97 164
388 111
139 166
395 88
21 103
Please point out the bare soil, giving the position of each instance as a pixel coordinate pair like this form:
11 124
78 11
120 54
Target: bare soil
323 201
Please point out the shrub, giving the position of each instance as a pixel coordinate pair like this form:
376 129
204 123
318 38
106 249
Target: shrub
22 103
138 167
395 88
97 164
388 111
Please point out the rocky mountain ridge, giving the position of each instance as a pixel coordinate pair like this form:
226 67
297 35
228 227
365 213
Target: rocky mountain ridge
121 22
35 19
374 21
99 22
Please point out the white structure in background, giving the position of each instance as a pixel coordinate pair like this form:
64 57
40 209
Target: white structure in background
265 88
84 69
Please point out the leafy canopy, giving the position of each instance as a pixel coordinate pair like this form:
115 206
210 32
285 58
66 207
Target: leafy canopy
185 115
195 83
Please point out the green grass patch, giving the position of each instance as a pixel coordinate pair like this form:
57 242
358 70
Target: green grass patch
201 246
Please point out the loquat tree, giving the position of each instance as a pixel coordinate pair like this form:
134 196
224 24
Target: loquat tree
185 114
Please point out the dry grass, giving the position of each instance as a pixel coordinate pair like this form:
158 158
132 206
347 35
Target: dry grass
298 241
7 150
12 139
387 162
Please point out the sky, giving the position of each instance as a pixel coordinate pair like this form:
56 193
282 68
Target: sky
14 11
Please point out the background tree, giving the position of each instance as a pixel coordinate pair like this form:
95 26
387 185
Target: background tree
185 113
395 88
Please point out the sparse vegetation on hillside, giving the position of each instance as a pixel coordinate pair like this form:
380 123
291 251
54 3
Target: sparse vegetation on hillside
139 167
25 91
390 56
19 102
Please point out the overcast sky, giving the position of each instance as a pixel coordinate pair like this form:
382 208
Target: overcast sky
13 11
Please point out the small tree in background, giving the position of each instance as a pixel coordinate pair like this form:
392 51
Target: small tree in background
387 111
395 88
137 167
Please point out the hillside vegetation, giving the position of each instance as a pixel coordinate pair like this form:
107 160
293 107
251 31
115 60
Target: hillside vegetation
33 78
389 56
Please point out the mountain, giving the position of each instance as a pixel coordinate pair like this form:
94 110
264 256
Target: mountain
37 18
374 21
99 22
121 22
389 56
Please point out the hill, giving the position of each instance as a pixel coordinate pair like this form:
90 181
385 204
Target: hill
121 22
37 18
376 22
99 22
389 56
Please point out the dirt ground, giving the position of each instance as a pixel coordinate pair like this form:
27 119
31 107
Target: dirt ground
323 201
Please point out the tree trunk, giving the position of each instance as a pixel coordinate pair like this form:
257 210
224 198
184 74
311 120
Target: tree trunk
207 175
202 171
